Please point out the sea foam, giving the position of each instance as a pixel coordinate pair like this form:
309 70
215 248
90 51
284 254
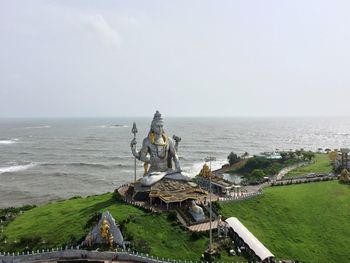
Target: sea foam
16 168
11 141
197 166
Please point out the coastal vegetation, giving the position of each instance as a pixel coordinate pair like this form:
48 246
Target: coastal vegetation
344 177
10 213
257 168
233 158
321 164
305 222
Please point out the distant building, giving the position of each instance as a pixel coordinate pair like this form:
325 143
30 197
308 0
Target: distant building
220 186
271 155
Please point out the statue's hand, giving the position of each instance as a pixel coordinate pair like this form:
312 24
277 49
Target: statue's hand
177 138
133 143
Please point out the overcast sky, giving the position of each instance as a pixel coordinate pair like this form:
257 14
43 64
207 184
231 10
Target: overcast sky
185 58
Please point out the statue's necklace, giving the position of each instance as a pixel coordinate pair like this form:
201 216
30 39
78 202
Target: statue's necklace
162 145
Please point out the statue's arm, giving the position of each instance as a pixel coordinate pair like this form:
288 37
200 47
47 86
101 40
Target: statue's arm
133 148
142 154
174 154
144 151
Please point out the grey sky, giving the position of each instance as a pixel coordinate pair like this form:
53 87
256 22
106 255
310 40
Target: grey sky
185 58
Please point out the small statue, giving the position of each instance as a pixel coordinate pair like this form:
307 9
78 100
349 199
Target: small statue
110 240
160 151
196 211
205 172
104 230
89 239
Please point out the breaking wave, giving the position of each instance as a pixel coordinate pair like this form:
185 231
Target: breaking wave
38 127
16 168
90 165
197 166
113 126
11 141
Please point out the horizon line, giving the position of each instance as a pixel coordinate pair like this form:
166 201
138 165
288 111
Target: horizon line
177 116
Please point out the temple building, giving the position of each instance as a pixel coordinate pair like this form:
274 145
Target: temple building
220 186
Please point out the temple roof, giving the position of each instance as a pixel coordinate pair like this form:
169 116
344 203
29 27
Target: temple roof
170 191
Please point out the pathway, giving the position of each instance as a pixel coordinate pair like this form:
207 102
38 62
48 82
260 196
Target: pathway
203 227
286 170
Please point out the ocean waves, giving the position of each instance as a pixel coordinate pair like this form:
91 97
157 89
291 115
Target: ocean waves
38 127
87 165
17 168
96 166
8 141
115 126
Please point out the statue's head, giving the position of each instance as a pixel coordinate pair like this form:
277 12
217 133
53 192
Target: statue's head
157 124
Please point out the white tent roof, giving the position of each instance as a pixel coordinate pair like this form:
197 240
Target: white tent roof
259 249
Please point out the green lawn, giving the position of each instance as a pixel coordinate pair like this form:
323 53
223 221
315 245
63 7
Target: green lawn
60 222
308 222
321 164
305 222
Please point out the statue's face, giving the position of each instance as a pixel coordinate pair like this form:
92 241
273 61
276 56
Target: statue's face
158 128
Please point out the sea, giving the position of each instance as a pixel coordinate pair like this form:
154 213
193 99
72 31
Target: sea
42 160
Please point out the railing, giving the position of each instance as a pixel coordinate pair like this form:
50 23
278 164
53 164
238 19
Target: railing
239 198
136 203
303 179
76 253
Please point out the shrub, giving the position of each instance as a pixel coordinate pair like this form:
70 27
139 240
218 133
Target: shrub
195 236
30 241
172 216
75 197
233 158
117 196
93 220
216 206
142 246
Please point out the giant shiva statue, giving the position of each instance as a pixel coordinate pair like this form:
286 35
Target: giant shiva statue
160 152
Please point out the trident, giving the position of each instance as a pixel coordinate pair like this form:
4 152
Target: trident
134 131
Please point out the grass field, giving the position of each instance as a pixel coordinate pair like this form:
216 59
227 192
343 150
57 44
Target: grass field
60 223
321 164
305 222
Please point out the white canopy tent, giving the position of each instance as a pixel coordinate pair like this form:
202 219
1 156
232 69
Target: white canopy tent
254 244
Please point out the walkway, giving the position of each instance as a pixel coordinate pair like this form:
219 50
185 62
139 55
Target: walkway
203 227
286 170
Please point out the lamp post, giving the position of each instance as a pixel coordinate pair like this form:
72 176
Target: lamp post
210 159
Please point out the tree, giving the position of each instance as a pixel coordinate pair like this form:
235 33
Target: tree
298 152
245 155
284 155
332 155
256 175
233 158
344 176
307 156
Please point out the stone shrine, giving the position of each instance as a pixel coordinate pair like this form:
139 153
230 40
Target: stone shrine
105 232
